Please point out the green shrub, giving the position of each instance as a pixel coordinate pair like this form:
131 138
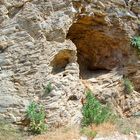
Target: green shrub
135 41
128 86
93 112
36 114
47 89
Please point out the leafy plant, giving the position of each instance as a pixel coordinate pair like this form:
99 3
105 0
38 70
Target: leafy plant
48 89
128 86
135 41
88 132
36 114
93 111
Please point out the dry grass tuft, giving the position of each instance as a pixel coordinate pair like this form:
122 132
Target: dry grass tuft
66 133
104 129
60 134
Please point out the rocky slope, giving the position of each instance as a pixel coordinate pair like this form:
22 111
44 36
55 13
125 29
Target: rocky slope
74 45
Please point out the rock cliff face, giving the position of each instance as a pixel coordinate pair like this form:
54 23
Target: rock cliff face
72 44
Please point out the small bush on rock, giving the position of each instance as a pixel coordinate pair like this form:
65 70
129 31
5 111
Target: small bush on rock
136 42
93 111
36 114
128 86
47 89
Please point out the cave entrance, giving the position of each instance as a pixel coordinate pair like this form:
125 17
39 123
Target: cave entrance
100 47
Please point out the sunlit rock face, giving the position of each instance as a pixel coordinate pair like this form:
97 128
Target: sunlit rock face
56 41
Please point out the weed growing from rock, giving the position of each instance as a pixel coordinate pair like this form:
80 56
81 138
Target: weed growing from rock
47 89
36 114
94 112
128 86
135 41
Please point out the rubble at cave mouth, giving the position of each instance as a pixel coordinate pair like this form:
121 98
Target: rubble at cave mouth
99 46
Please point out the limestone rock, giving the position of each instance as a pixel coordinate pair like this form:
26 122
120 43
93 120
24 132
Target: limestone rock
75 46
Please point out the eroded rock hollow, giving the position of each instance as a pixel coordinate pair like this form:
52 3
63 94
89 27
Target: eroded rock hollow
100 45
61 60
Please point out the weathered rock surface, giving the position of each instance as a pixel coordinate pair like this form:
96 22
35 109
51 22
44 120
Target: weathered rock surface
58 41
